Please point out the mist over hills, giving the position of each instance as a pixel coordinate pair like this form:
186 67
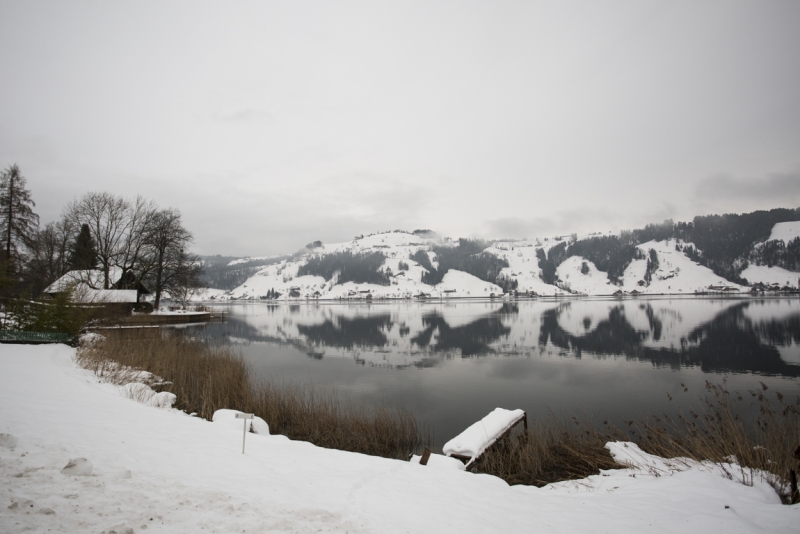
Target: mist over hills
715 253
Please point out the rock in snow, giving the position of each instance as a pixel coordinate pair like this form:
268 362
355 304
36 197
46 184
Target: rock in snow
78 467
8 441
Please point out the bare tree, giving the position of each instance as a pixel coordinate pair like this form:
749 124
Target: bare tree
185 281
174 270
109 219
49 255
136 255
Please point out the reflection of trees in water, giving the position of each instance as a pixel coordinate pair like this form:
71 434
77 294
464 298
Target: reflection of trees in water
733 342
730 342
613 335
349 332
231 328
236 328
471 339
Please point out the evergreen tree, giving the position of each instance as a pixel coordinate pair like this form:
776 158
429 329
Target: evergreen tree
18 222
84 253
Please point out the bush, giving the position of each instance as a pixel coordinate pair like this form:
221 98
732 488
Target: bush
143 307
58 315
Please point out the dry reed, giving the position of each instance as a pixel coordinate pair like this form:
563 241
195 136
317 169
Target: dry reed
206 377
756 432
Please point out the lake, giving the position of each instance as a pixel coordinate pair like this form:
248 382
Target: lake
452 362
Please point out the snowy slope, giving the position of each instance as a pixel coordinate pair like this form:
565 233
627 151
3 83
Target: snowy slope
785 231
594 282
771 275
164 471
523 265
396 246
676 273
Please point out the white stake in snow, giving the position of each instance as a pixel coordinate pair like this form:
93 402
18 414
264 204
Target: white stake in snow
244 416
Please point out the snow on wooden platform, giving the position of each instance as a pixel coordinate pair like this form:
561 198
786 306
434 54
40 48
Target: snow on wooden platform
474 441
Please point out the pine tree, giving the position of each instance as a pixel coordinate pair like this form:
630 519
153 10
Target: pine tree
84 253
18 222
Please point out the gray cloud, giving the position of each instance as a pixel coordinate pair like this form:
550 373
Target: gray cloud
271 125
244 115
784 187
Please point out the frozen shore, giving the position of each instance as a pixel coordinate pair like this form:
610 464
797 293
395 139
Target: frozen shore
163 471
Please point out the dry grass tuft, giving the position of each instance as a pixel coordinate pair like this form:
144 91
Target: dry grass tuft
554 450
757 430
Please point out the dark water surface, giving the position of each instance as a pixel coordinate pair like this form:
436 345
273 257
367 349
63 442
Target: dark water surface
452 362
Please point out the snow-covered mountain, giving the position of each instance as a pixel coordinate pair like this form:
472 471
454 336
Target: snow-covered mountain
407 265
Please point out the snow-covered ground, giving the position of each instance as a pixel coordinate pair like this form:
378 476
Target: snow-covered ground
771 275
163 471
676 273
785 231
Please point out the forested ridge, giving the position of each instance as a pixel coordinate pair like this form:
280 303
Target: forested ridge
726 244
219 274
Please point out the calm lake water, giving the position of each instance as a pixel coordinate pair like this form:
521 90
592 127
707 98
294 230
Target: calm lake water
452 362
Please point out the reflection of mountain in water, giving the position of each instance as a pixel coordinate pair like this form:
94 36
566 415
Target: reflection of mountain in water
714 335
730 342
349 332
472 339
370 331
613 335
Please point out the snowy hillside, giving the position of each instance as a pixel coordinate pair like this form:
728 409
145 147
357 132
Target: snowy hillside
397 247
409 267
785 231
774 275
676 273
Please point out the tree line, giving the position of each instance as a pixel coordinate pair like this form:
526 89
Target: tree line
121 241
468 256
359 268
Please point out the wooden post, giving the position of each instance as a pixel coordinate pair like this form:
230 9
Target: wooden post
425 456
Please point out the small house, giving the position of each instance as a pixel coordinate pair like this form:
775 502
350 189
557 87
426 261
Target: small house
88 287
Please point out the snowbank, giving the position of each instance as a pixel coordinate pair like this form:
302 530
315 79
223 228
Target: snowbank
170 472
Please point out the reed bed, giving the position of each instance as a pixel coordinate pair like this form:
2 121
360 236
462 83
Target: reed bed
206 377
758 431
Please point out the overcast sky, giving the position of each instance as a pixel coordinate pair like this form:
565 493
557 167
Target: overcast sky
272 124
